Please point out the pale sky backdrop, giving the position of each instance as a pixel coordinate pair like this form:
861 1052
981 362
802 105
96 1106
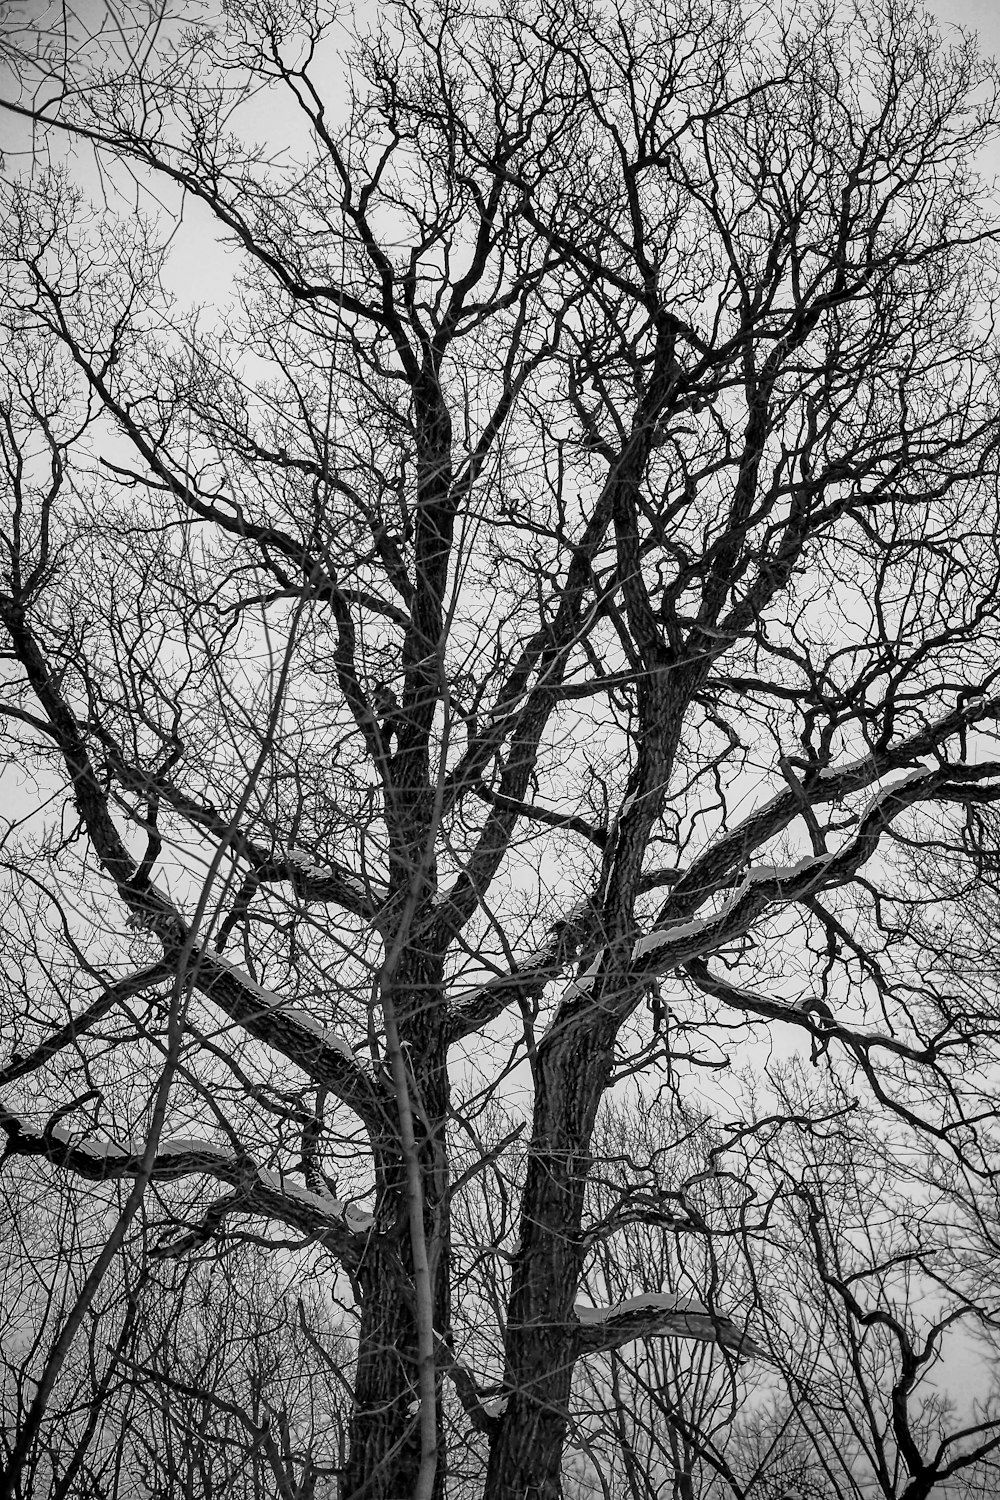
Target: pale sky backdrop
979 15
983 17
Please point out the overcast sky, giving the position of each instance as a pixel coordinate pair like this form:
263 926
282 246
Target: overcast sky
980 15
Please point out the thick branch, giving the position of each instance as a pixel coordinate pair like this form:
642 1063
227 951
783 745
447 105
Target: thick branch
659 1315
260 1191
730 852
19 1066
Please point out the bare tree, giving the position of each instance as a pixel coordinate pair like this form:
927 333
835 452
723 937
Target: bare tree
866 1262
210 1376
493 651
237 1385
46 1247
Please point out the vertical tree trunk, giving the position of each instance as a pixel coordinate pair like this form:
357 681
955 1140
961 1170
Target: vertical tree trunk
385 1441
526 1453
385 1435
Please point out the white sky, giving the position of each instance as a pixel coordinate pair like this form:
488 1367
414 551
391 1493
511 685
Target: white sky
978 15
983 17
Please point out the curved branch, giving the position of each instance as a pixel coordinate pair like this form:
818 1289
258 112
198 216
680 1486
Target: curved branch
259 1191
822 1031
19 1066
660 1315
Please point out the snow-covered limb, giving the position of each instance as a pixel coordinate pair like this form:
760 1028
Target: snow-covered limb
592 1317
155 910
177 1145
260 1191
649 1315
474 1007
323 1055
869 768
307 863
476 1407
273 1002
730 853
325 1203
328 1035
682 941
317 880
975 707
659 1315
661 949
679 943
314 879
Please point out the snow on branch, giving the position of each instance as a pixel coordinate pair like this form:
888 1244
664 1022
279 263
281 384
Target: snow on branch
660 1315
302 860
674 944
765 885
472 1008
259 1191
273 1003
319 881
323 1054
830 784
479 1408
313 878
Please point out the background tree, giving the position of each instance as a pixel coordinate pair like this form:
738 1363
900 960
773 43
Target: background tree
218 1375
494 651
861 1261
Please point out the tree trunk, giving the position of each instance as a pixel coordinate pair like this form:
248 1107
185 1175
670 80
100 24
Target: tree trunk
385 1431
526 1453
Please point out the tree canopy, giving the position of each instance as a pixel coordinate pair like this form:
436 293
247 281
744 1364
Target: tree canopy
499 708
